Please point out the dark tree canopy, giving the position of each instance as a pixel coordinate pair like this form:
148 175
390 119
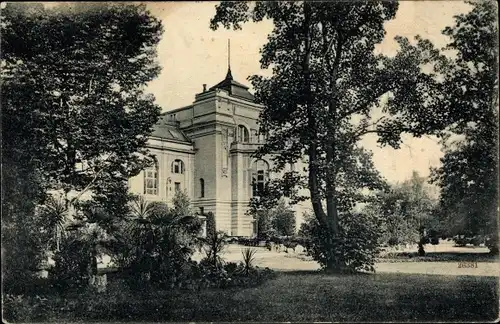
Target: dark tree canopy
75 116
326 81
73 101
468 176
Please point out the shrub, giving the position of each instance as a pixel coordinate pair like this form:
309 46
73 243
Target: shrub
16 308
230 275
491 243
435 240
72 264
232 268
211 230
356 246
393 241
156 244
460 241
30 308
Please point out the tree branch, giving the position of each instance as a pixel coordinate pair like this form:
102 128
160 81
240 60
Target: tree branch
365 104
89 185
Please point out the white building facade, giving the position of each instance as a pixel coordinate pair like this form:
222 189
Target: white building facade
205 149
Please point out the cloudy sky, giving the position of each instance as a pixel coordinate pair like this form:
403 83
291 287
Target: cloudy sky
191 54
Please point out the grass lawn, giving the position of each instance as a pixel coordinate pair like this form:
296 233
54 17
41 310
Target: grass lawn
297 296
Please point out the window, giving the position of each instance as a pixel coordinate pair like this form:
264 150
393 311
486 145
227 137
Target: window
202 211
177 186
202 188
261 138
260 176
242 134
151 181
178 167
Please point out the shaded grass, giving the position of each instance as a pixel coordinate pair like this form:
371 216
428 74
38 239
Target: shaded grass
438 256
295 296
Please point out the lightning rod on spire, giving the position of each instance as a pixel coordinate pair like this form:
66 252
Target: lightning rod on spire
229 76
229 54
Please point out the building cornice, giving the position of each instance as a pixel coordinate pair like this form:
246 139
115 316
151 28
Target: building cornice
171 149
207 124
167 140
176 110
228 98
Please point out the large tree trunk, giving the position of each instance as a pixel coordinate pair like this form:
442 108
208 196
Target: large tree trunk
327 221
331 169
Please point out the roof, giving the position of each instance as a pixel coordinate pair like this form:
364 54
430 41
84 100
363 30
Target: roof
169 131
235 88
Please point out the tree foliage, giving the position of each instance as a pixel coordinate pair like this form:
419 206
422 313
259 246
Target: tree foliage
155 242
468 176
210 224
407 209
326 81
283 219
73 100
75 116
357 245
274 215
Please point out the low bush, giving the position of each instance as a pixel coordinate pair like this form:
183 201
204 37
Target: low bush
356 246
393 241
72 263
25 308
205 275
491 243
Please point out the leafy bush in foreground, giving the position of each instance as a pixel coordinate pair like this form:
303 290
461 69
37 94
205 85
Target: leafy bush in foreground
72 264
356 247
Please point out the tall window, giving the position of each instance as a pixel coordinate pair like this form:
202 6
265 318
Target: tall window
202 188
260 176
177 186
178 166
243 135
151 181
261 137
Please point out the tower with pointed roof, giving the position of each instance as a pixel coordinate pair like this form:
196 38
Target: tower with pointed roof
206 149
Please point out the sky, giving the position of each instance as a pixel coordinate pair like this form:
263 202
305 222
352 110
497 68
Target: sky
191 54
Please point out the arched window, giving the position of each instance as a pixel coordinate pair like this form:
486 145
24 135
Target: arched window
151 181
243 135
202 188
178 167
260 176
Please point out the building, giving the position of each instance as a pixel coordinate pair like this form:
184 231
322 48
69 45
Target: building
205 149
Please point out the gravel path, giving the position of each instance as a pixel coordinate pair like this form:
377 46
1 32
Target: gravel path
295 261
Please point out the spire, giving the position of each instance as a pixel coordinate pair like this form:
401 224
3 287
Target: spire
229 76
231 86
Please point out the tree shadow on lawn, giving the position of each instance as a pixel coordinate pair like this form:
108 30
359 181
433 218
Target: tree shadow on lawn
316 296
386 297
439 257
298 296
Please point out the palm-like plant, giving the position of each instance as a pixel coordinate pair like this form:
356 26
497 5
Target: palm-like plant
248 259
141 208
53 215
214 247
92 235
89 232
157 237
